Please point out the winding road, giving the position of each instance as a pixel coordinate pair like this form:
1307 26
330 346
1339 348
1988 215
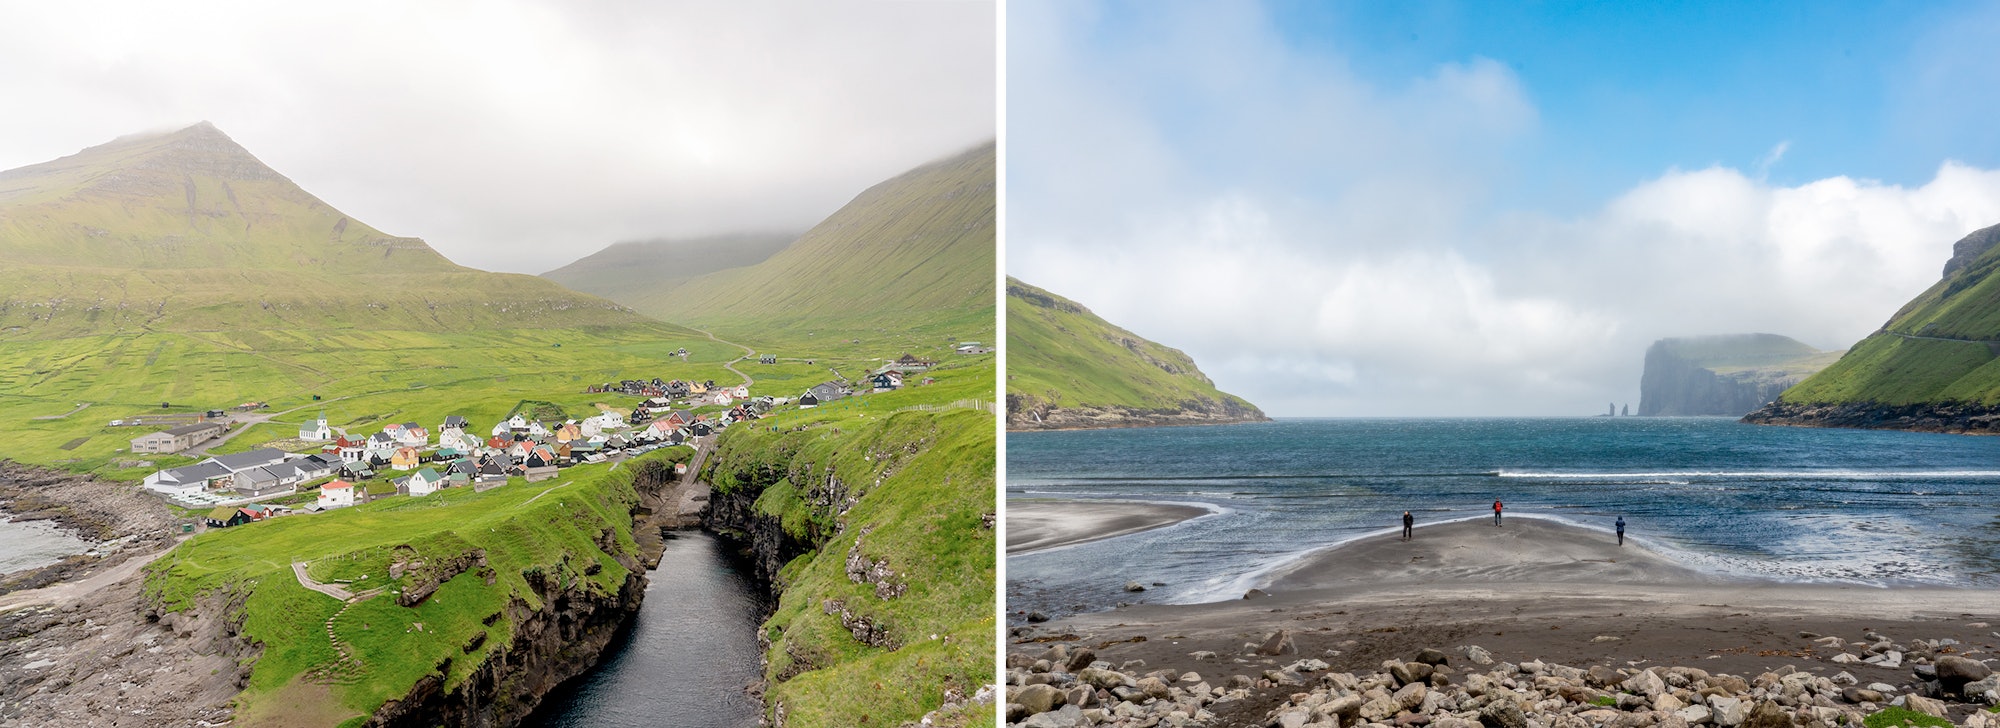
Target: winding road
731 365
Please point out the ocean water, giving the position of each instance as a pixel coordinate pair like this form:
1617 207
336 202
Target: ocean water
688 656
1813 505
35 544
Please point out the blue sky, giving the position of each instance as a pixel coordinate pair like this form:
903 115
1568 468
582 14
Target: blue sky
1448 208
1629 89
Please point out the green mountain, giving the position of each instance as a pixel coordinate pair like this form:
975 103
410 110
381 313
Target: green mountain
1729 374
176 268
187 231
1934 366
639 273
908 263
1069 369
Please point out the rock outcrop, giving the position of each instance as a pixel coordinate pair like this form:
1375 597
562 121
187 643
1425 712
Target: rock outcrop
1727 375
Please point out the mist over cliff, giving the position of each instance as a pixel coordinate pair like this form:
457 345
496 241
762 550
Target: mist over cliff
1730 374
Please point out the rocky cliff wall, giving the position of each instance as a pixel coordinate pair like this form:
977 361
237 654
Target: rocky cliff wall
1672 387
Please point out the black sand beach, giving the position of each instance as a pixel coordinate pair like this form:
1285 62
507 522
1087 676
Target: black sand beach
1532 590
1034 525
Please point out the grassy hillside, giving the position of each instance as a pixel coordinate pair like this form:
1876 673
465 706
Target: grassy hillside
639 273
1940 348
908 262
177 268
1061 357
905 479
552 531
187 231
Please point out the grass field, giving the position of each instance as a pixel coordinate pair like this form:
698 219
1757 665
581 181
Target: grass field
363 379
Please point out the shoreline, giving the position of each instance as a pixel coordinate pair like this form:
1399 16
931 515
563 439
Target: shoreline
1532 590
1135 425
1042 524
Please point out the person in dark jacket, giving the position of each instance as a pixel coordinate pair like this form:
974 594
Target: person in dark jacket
1621 530
1409 523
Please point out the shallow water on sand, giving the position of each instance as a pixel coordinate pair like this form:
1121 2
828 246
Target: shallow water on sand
35 544
688 657
1881 508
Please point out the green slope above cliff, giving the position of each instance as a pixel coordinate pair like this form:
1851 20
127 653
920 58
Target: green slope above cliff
1940 348
909 260
1067 368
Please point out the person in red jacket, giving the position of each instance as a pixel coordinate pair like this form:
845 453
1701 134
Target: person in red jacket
1496 511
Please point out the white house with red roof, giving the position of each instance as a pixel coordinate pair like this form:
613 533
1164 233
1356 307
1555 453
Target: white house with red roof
337 494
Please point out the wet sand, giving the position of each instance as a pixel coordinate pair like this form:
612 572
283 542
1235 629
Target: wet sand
1531 590
1036 524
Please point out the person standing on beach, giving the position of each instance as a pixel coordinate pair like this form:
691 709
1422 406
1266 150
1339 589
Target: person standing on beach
1496 512
1621 530
1409 522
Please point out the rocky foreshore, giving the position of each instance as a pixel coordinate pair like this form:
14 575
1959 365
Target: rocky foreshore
1027 412
1961 418
1066 685
122 520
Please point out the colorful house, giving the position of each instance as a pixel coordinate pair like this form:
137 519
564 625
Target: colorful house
337 494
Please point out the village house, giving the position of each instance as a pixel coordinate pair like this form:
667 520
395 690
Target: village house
406 458
316 431
337 494
568 432
347 449
540 464
452 423
767 359
421 483
603 422
808 401
459 439
178 438
888 381
409 434
829 392
227 516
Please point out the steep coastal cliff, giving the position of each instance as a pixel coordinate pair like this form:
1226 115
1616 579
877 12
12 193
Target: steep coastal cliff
1068 369
1723 375
875 538
1930 368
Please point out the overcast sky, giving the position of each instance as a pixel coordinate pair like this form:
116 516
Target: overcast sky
1443 208
518 136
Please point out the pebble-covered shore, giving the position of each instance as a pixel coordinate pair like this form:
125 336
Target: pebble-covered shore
1066 685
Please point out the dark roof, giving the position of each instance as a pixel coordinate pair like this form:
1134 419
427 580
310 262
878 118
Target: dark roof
454 421
197 471
247 460
192 429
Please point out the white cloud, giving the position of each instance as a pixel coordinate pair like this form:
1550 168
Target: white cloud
518 135
1324 246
